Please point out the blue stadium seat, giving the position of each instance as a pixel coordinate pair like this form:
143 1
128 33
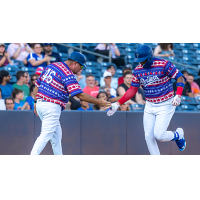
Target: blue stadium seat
198 59
122 52
18 63
176 46
121 45
11 68
28 69
62 49
105 64
133 45
90 57
137 107
193 71
197 99
129 50
190 53
188 108
198 107
130 57
119 72
186 46
187 100
154 45
64 55
54 49
178 53
13 79
196 46
178 108
189 60
12 73
94 65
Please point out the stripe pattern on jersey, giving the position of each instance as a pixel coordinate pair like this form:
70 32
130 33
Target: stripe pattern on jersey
55 84
156 80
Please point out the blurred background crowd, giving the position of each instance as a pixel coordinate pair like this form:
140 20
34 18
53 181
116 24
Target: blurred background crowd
22 63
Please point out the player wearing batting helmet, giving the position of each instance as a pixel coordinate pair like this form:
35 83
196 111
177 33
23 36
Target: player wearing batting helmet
154 75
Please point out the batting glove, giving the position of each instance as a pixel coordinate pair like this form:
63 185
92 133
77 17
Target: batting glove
113 109
176 100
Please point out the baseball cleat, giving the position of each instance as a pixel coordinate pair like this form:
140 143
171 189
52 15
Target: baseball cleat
181 143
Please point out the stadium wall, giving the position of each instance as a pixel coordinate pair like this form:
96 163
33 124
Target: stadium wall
93 133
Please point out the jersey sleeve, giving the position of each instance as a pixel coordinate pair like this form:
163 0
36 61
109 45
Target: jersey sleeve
71 85
30 56
171 71
38 82
135 82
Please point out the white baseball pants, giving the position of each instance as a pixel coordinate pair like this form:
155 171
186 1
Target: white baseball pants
156 120
49 114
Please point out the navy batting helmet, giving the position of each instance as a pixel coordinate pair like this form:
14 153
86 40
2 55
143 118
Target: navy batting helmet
142 53
78 57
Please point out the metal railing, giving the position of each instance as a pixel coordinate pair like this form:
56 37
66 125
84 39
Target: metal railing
110 57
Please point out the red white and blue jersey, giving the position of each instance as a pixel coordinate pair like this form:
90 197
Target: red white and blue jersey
55 84
156 80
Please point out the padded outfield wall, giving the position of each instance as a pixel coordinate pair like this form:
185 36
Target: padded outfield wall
93 133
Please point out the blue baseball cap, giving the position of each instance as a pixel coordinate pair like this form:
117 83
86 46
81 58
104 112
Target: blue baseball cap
78 57
45 44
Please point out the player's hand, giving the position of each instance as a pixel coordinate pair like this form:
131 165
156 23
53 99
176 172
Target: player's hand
176 100
35 109
113 109
104 103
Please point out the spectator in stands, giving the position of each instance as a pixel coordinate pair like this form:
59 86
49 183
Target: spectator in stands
27 79
6 88
102 95
164 50
30 99
194 86
124 107
55 57
198 80
9 102
19 51
187 90
31 45
81 79
91 88
107 90
2 103
21 84
114 82
127 68
107 79
36 59
34 78
84 105
18 96
121 90
4 56
115 53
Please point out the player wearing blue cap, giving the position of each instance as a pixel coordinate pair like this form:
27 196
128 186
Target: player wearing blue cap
154 75
51 95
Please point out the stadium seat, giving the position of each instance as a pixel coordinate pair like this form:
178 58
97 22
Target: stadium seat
18 63
176 46
130 57
133 45
28 69
190 53
12 73
178 53
121 45
13 79
92 70
122 52
105 64
187 100
197 99
90 57
186 46
137 107
188 108
178 108
198 107
193 71
62 49
129 50
119 72
94 65
196 46
189 60
11 68
154 45
54 49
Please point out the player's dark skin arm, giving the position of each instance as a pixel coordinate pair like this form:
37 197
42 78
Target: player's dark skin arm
90 99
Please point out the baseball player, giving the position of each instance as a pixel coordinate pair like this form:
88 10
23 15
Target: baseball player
51 95
154 75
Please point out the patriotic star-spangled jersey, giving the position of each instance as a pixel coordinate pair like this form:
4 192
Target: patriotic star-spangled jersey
156 80
55 84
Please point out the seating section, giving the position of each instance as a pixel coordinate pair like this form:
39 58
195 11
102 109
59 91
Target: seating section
185 53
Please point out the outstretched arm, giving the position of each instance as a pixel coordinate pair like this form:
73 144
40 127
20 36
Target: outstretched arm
128 95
